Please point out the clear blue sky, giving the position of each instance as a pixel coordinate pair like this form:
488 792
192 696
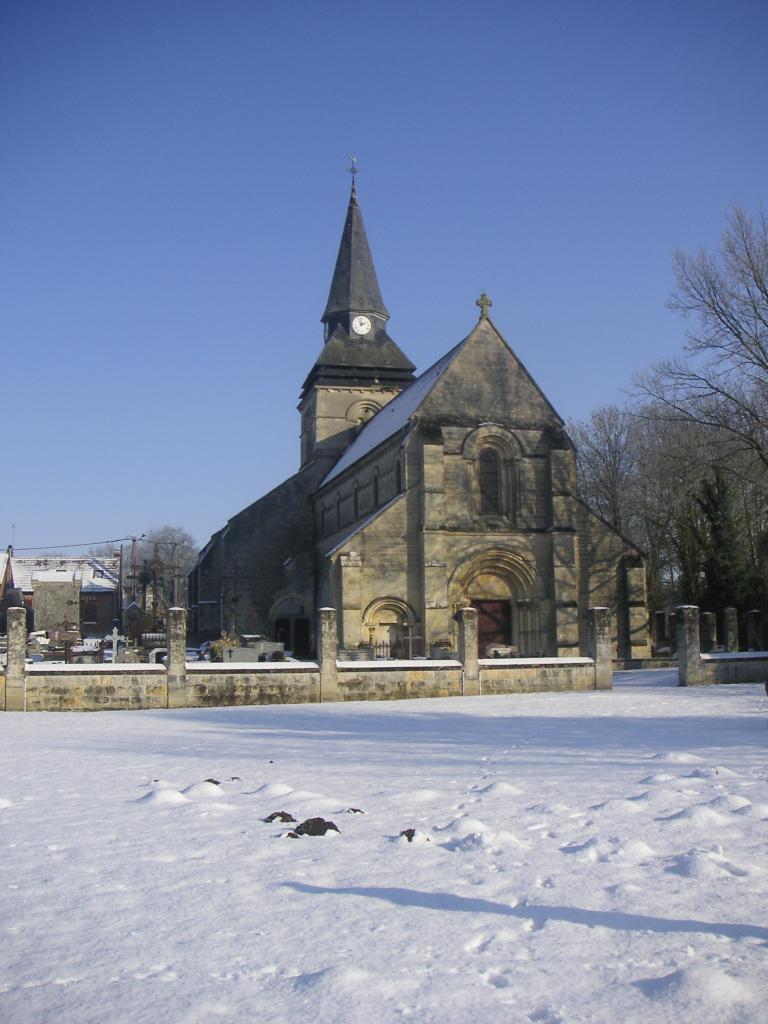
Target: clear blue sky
173 188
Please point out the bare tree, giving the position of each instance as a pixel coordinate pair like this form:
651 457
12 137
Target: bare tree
159 563
723 382
606 464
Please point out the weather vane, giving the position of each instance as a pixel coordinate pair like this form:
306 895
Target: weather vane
353 170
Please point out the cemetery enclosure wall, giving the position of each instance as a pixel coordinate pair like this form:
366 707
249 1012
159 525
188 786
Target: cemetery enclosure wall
529 676
735 668
95 688
123 687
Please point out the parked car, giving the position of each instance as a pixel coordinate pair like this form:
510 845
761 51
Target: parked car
192 654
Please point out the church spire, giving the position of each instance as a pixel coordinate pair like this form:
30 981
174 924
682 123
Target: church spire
354 287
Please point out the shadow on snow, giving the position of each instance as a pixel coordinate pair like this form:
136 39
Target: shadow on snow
540 914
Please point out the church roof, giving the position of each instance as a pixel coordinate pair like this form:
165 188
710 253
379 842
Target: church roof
354 285
394 416
378 352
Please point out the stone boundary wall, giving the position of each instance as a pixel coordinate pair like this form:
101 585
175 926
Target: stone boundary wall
697 669
95 687
398 680
42 687
527 675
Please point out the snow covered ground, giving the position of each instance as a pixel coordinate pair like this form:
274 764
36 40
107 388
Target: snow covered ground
577 857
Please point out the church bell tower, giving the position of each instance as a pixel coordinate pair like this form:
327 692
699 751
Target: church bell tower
360 368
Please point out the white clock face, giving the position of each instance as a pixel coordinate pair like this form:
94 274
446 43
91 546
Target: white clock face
361 325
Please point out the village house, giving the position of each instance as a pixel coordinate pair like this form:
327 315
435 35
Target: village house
80 593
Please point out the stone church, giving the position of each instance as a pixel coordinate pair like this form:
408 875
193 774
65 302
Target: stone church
418 495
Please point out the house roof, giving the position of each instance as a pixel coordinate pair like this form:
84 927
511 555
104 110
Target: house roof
94 573
393 417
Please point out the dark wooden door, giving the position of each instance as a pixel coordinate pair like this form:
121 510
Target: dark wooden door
494 623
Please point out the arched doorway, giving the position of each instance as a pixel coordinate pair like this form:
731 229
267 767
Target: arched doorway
389 627
507 593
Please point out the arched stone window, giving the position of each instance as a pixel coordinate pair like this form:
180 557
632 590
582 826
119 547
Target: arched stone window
338 511
489 482
322 522
376 489
356 500
398 477
493 456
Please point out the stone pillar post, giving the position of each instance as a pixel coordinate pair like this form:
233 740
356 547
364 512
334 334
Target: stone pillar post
689 668
329 651
176 664
708 627
467 620
15 673
754 632
730 629
600 646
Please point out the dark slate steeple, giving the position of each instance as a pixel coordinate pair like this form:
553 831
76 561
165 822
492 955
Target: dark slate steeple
354 287
358 350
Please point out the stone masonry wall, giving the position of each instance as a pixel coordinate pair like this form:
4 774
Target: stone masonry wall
132 687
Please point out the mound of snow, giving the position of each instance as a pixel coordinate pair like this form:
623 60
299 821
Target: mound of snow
620 806
202 791
419 796
730 802
677 757
635 850
499 789
5 803
306 795
712 773
165 797
702 864
759 811
413 836
274 789
700 816
656 778
700 987
490 842
592 850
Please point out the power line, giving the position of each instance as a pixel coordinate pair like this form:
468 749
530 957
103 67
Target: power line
86 544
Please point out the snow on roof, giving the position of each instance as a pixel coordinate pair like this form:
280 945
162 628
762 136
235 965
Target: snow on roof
55 576
393 417
103 572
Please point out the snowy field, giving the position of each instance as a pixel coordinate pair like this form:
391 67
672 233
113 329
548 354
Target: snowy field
578 857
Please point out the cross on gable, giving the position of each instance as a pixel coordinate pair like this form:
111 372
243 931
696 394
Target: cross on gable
484 303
